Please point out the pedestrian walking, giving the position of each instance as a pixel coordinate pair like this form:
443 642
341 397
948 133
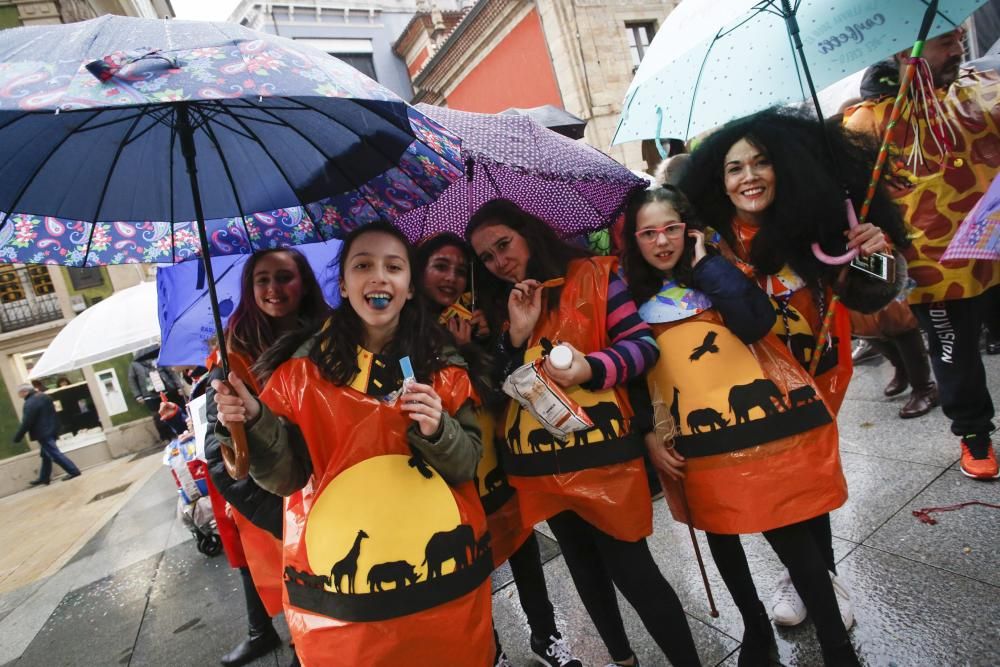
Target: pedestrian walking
39 420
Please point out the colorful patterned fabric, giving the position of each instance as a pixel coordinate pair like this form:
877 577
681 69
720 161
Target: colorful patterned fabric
674 303
978 237
92 169
946 186
632 348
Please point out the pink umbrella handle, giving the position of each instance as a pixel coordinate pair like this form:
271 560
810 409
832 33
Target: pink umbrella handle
852 221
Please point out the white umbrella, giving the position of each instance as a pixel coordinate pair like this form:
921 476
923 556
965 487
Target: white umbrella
122 323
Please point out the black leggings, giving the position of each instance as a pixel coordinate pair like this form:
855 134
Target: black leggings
797 547
529 578
598 562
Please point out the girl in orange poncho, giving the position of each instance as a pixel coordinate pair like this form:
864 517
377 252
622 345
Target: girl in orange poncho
767 185
443 264
592 490
756 445
279 293
387 556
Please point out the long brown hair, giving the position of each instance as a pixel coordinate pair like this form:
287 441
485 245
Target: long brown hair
550 256
250 331
418 335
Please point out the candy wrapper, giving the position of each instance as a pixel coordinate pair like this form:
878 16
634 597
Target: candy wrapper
537 393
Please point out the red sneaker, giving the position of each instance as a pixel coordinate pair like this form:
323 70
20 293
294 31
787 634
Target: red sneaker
979 468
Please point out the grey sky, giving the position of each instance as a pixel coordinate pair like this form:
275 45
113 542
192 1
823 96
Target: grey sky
204 10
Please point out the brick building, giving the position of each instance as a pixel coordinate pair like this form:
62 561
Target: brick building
579 55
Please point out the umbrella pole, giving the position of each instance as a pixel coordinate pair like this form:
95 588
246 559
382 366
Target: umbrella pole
236 459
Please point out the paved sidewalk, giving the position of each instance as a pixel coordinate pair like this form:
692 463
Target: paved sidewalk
138 592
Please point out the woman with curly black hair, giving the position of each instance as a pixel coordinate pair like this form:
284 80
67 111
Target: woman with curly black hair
771 185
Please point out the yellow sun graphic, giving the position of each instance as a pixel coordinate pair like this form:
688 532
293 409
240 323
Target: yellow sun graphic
390 502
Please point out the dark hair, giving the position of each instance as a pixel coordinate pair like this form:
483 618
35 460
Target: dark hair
251 331
550 255
418 335
809 189
644 280
429 246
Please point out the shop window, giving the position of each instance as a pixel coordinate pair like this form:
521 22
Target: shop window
85 278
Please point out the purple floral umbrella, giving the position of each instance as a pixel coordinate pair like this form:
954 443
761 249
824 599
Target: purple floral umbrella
134 140
572 186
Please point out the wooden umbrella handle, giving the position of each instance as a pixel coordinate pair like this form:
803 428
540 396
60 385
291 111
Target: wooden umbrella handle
237 457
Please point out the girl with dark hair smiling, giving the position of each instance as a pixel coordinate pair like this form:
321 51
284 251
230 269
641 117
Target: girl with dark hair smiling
387 556
593 489
279 293
756 449
443 265
770 185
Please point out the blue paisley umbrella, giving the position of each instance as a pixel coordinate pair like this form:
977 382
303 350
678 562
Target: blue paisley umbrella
135 140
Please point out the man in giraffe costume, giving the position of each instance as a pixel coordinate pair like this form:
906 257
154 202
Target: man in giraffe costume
942 162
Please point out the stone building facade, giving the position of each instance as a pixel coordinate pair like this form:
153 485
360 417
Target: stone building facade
576 54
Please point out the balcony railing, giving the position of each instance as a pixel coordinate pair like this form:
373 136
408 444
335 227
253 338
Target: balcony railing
21 314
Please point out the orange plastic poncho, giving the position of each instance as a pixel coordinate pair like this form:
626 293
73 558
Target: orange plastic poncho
246 544
945 186
508 530
760 443
598 473
385 563
800 320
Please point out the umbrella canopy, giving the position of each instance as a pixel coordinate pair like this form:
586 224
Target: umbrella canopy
556 119
185 311
292 145
122 323
712 62
978 237
572 186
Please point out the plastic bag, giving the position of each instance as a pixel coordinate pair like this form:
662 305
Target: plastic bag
556 412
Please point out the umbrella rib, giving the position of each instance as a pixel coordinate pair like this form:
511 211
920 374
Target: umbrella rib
232 183
694 92
173 240
277 166
41 165
108 123
107 183
330 160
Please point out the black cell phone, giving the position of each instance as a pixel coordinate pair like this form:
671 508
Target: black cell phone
879 265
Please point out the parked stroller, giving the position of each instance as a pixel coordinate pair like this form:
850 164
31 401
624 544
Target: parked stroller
193 503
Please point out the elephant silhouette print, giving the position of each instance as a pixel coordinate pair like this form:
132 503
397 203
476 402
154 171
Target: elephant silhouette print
458 544
348 565
801 396
540 437
603 414
495 480
397 572
699 419
707 346
306 579
761 394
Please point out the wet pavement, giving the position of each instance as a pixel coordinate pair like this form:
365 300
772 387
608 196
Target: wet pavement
137 592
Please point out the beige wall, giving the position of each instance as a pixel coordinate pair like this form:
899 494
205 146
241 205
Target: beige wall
590 52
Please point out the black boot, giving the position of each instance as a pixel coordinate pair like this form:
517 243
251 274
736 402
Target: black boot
900 379
261 637
254 646
758 648
913 355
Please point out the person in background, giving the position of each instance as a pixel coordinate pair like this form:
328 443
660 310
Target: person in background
39 420
937 176
147 381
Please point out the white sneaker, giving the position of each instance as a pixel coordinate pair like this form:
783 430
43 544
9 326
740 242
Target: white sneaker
843 600
787 607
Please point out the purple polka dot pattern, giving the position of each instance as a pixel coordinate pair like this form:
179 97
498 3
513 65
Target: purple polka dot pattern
570 185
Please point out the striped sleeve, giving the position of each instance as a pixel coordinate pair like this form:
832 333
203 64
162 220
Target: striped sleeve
632 349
